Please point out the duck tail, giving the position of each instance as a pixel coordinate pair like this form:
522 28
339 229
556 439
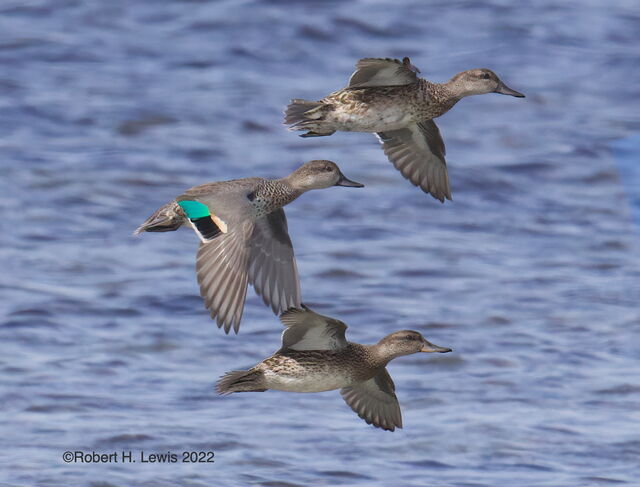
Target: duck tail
168 218
241 381
298 112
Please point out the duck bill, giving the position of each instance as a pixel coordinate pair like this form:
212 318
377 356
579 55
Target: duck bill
505 90
344 181
431 348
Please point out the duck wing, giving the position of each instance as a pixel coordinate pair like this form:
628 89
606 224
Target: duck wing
272 265
215 208
418 151
383 72
375 401
308 330
221 267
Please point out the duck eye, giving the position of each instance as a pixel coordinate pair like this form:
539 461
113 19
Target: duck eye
327 169
485 76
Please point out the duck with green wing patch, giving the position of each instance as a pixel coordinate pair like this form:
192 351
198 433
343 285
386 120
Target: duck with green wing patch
244 238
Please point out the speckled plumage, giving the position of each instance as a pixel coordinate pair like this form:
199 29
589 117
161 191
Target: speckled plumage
315 357
269 195
244 237
318 370
379 108
386 97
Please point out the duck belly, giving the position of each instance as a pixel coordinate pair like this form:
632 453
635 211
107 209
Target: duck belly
376 117
307 381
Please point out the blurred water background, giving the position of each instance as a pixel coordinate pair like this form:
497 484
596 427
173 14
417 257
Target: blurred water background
110 109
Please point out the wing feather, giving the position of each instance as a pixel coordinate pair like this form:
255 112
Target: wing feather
375 401
308 330
418 152
383 72
221 267
273 270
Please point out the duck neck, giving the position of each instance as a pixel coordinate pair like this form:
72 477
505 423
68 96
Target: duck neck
441 94
274 194
292 189
379 355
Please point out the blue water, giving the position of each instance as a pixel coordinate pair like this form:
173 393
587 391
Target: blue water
626 152
110 109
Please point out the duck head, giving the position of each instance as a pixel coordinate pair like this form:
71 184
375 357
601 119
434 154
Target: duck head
480 81
318 175
406 342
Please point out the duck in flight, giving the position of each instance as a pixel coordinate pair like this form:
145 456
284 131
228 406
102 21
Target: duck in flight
386 97
315 356
244 238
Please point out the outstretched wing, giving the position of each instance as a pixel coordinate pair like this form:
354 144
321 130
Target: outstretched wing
417 151
383 72
221 267
308 330
375 401
272 265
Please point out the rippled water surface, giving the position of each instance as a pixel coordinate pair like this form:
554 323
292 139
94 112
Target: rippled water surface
110 109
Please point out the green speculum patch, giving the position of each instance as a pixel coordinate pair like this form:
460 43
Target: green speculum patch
194 209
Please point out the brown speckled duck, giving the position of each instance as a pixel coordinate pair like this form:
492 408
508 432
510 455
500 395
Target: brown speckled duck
244 239
315 356
385 96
